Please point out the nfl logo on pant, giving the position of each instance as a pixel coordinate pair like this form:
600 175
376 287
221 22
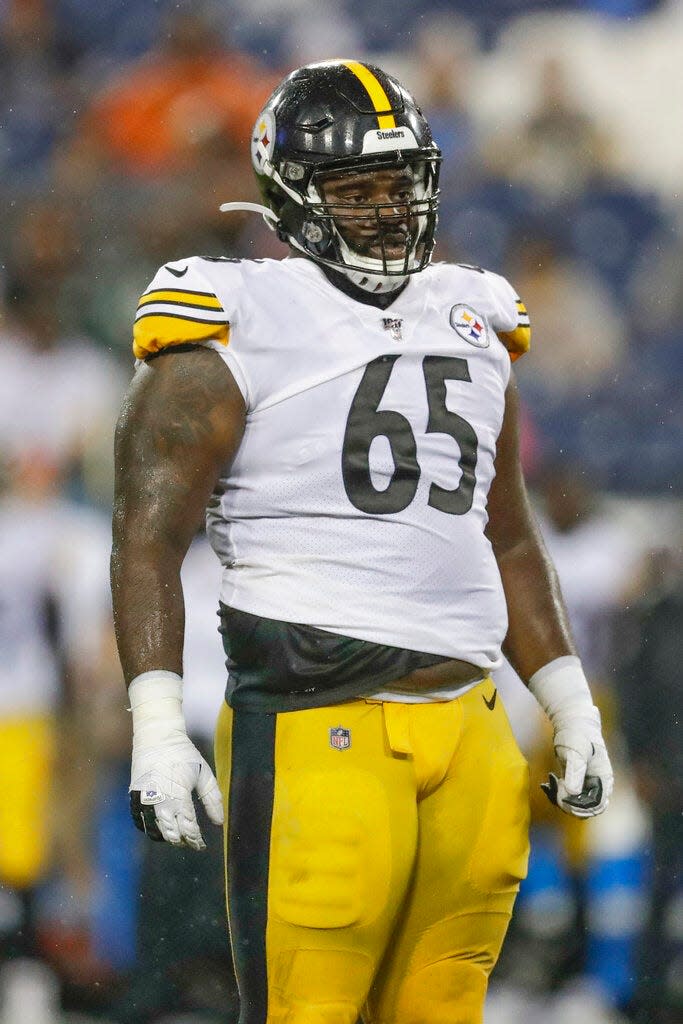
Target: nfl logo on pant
340 739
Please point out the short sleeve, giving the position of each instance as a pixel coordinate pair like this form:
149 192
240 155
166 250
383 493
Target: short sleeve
179 307
511 320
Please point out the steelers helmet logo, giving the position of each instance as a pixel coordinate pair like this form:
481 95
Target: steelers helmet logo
263 139
466 322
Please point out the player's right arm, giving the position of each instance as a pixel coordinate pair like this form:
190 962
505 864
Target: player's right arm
181 424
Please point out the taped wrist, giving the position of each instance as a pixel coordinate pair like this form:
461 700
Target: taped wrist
561 688
156 703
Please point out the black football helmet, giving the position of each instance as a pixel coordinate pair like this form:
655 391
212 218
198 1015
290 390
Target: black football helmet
328 119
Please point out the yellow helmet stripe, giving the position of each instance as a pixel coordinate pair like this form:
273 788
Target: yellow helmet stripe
375 91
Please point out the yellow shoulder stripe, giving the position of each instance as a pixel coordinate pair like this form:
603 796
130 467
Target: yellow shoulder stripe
375 91
186 298
155 332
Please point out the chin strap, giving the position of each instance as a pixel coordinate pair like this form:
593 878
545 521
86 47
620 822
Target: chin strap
271 219
371 282
369 278
367 281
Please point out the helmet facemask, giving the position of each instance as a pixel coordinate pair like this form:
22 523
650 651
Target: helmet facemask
376 245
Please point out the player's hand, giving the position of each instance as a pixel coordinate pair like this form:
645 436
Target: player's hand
167 767
586 782
163 779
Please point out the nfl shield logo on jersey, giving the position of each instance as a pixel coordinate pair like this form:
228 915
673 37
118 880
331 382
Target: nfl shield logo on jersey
340 739
394 325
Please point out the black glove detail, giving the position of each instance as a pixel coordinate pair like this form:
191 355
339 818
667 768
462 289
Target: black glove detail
144 817
549 788
589 797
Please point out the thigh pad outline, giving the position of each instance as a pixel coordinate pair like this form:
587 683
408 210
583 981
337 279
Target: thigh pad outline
329 984
450 991
499 858
330 863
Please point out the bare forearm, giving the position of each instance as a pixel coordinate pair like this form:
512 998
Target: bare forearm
149 611
538 630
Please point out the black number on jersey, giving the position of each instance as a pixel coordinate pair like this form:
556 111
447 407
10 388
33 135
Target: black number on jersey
366 422
437 370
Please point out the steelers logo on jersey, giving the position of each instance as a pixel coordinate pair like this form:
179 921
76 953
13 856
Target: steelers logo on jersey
470 326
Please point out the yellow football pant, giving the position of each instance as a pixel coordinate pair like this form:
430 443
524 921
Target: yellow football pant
371 869
27 754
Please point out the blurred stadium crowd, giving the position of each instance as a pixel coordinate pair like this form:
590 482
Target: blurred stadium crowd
123 125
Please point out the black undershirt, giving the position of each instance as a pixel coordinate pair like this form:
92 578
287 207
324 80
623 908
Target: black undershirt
276 666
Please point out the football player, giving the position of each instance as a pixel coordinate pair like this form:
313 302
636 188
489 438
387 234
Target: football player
348 420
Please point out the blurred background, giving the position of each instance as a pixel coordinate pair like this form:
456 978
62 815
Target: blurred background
123 125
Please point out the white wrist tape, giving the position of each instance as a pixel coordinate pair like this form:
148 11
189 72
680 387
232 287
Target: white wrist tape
585 785
166 766
156 702
561 686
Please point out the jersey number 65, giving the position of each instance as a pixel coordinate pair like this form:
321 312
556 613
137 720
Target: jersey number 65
366 422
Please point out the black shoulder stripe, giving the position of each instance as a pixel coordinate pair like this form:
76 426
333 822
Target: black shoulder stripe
192 319
185 291
175 302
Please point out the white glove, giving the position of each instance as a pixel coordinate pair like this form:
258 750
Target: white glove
586 786
166 765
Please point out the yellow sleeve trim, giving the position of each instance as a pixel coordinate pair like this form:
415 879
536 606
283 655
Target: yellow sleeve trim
517 342
205 300
155 332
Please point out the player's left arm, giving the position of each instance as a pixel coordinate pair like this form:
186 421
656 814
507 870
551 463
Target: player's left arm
539 643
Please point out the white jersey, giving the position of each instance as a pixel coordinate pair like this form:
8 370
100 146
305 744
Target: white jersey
357 500
52 553
203 654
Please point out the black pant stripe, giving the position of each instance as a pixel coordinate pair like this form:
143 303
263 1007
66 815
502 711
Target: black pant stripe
252 782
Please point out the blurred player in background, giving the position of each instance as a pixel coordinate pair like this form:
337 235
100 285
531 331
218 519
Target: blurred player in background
350 420
649 650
